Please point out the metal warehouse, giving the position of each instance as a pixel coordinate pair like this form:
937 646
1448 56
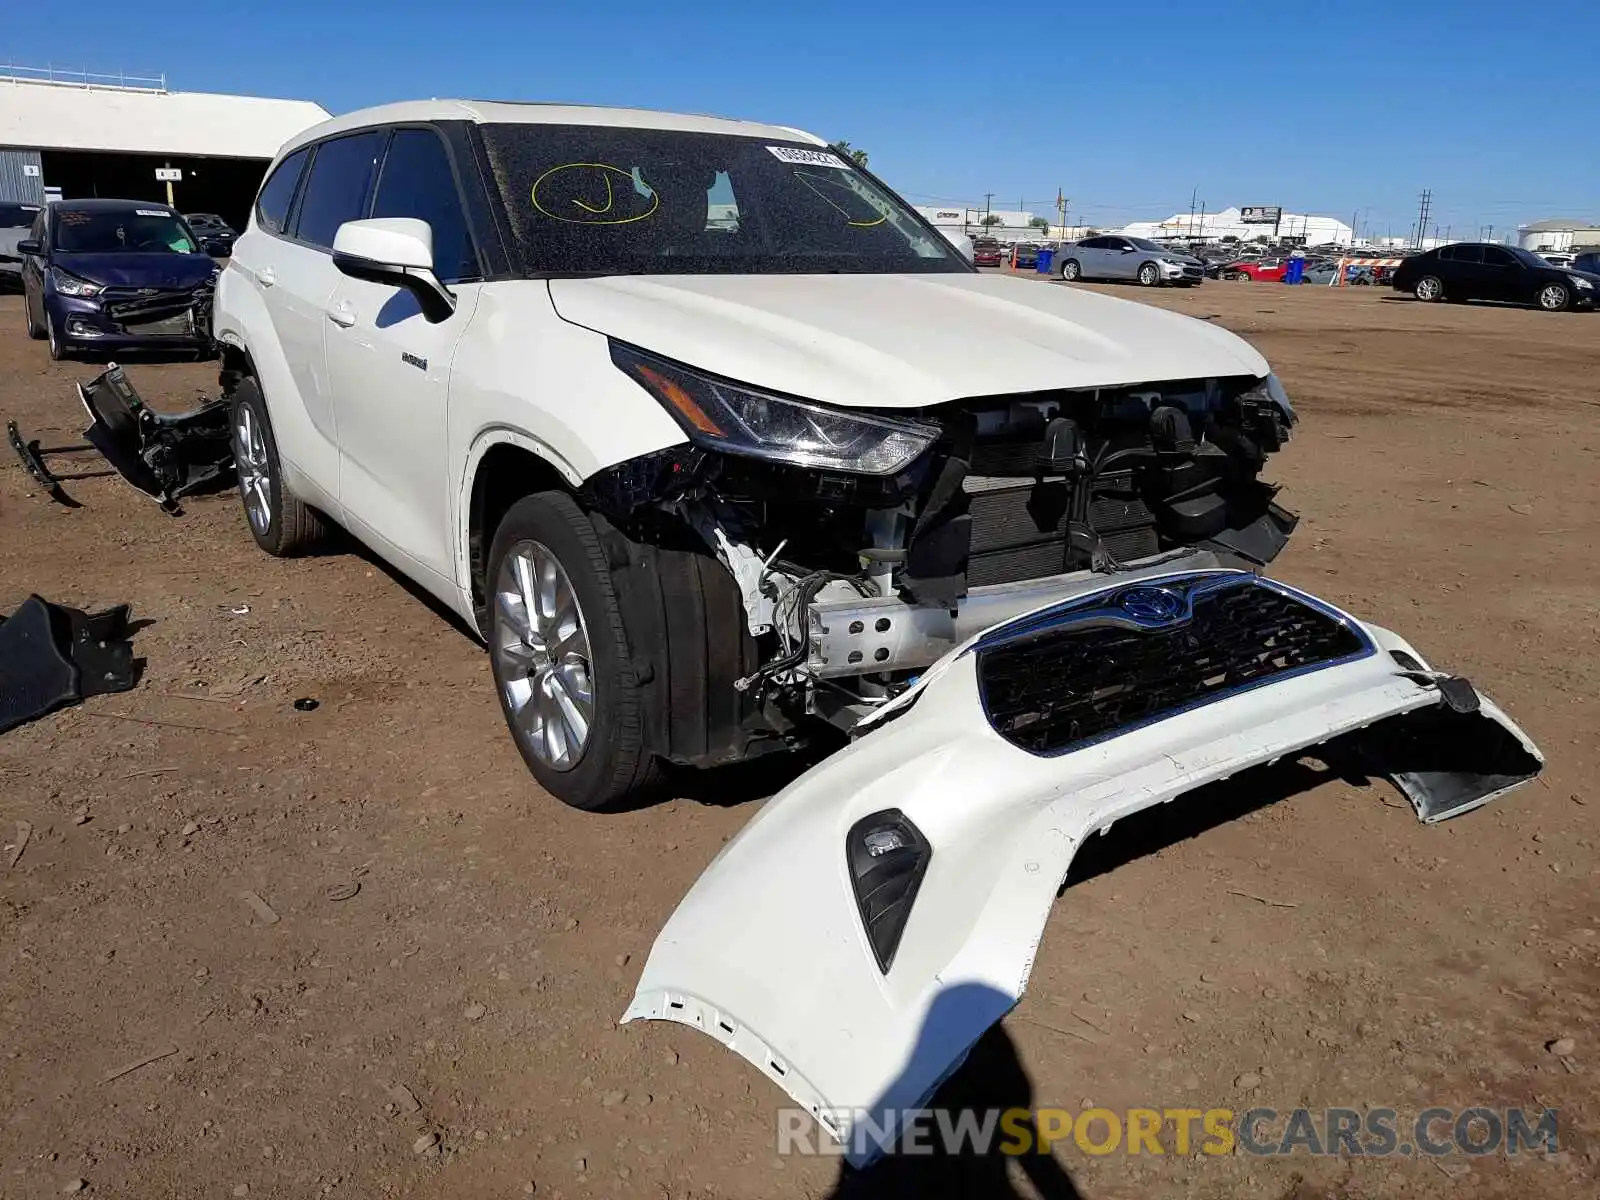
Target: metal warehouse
70 136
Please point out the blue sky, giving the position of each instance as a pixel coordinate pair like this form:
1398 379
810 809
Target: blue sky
1339 108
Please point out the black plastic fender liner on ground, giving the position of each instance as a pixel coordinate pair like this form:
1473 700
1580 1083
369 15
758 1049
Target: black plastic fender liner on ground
51 657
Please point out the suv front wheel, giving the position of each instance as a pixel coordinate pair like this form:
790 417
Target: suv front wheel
570 695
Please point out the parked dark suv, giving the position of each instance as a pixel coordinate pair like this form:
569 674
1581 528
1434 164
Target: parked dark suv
1483 271
114 275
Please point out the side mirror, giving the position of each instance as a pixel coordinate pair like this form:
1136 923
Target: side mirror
29 246
397 251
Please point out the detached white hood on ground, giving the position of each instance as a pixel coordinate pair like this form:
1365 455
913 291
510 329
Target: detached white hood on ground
874 918
901 341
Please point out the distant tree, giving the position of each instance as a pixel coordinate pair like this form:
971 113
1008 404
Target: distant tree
1040 223
991 219
845 150
1229 240
1263 240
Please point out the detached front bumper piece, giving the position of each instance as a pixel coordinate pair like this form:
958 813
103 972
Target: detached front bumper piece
166 456
879 914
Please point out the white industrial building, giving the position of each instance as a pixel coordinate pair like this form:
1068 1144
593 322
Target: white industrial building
1004 225
1558 234
1304 228
75 136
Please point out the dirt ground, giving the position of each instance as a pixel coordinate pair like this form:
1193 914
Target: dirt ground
1320 950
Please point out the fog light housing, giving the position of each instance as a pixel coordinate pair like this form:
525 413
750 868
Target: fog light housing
887 857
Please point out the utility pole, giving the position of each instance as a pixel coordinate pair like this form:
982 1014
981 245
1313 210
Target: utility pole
1202 222
1422 217
987 197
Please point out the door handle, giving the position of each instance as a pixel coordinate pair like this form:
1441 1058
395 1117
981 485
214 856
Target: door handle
342 315
266 277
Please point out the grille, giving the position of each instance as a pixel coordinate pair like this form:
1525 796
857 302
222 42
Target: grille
1106 666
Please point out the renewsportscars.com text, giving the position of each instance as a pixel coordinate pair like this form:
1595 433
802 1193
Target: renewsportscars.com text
1349 1132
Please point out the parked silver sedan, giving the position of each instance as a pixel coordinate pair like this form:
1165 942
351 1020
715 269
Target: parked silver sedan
1112 256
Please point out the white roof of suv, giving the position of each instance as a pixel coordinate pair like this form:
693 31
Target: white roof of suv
522 113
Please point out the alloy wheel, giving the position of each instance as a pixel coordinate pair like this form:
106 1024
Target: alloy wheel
1553 298
254 468
1428 289
542 655
1147 276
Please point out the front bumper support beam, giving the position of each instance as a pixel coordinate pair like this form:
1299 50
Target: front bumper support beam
861 635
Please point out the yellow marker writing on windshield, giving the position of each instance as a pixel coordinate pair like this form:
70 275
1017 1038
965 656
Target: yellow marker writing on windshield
591 208
589 214
807 179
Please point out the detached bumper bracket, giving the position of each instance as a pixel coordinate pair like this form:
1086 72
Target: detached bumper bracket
33 457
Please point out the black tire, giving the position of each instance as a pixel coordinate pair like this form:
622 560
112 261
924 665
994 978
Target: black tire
616 762
58 350
1071 270
1148 275
1429 289
34 331
293 527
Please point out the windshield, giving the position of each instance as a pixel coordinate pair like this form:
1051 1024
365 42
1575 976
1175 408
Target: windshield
1146 244
121 230
587 199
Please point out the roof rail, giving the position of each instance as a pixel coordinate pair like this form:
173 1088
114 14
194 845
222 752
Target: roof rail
50 74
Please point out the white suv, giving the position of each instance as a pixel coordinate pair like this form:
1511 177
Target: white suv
723 448
713 438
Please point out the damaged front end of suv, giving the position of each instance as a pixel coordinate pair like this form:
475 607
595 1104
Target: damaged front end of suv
1035 615
865 543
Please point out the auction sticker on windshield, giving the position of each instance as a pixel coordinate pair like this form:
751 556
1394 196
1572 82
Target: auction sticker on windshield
811 158
151 212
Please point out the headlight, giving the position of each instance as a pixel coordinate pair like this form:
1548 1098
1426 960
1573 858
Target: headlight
887 857
740 420
1171 262
71 285
1580 282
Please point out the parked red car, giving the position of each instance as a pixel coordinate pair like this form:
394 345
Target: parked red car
986 252
1265 270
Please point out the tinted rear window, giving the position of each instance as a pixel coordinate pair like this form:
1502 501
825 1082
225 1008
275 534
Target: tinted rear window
272 208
